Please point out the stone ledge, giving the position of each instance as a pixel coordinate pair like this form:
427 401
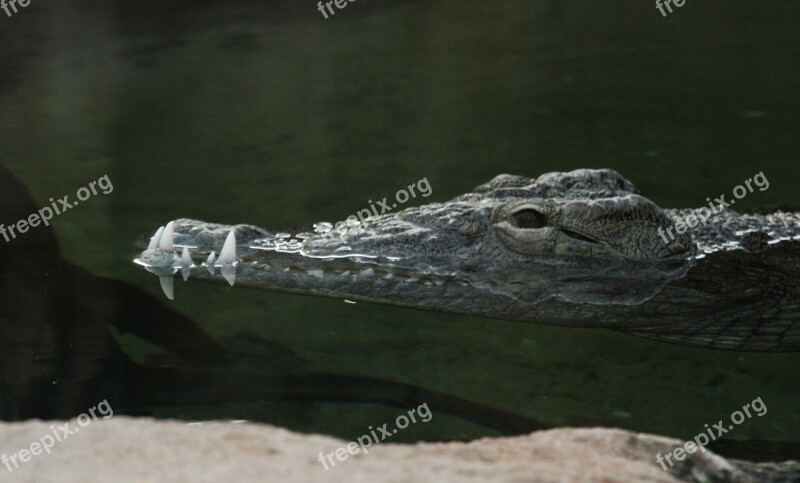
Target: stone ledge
145 450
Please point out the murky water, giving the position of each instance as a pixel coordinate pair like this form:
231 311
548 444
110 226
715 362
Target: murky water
275 116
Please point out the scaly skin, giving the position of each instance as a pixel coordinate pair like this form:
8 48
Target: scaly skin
578 249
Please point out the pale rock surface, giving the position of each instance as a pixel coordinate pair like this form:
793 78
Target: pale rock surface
123 449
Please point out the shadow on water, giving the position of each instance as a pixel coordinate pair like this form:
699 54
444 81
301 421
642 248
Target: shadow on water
59 356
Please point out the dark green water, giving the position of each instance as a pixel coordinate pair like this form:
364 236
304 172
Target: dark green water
266 113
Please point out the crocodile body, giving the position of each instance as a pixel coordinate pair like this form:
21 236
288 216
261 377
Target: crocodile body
577 249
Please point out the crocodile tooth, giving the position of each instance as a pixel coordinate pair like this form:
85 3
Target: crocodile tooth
438 283
167 286
165 243
228 253
186 261
389 276
411 280
229 272
316 273
210 262
369 272
156 238
346 273
427 282
287 269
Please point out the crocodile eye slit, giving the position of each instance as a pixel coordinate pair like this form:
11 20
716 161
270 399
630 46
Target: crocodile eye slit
529 218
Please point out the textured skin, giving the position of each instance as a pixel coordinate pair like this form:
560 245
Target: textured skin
579 249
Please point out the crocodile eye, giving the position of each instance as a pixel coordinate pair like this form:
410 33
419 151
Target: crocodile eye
529 218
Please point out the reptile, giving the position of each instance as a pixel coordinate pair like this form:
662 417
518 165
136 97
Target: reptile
576 249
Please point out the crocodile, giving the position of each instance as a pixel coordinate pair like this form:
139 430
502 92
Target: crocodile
574 249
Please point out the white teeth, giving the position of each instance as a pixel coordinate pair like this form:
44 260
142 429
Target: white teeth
156 238
411 280
229 272
316 273
438 283
165 243
389 276
186 261
210 262
228 253
167 286
287 269
367 273
346 273
427 283
227 257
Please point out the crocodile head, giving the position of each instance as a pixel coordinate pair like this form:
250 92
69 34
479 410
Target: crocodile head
514 248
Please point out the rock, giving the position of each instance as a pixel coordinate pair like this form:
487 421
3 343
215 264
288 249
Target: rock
144 450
